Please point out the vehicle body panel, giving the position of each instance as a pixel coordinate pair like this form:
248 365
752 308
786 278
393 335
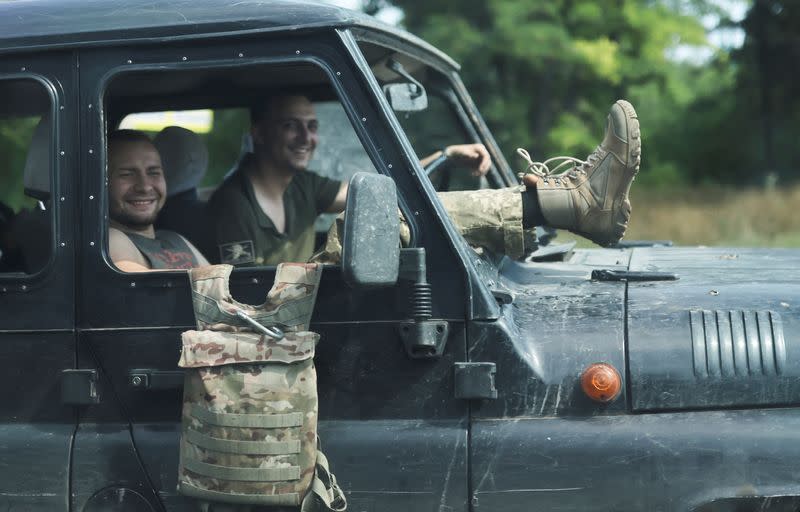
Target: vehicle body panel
37 333
694 427
725 335
666 461
543 445
134 322
33 26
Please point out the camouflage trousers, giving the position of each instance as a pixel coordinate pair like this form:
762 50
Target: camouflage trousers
485 218
490 218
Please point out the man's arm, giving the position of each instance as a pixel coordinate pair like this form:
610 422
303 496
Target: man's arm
124 254
337 206
474 156
201 260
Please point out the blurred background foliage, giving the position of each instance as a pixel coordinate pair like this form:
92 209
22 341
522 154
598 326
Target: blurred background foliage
720 122
543 73
15 138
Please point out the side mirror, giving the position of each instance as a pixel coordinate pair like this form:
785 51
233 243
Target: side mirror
406 97
371 238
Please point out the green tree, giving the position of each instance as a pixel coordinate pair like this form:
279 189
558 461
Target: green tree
768 84
543 72
15 138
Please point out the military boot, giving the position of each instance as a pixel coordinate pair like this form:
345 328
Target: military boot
590 198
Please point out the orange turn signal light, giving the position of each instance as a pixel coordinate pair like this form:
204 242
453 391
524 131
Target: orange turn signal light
601 382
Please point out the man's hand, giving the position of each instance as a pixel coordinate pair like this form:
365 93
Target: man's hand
530 180
474 156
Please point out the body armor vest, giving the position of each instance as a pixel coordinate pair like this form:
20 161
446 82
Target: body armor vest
249 422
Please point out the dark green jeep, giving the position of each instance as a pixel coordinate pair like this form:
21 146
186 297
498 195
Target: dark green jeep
491 416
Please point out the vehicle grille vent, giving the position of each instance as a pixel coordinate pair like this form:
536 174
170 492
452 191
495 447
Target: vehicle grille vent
737 343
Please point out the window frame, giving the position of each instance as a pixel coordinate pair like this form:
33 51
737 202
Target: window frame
20 280
158 299
342 97
481 302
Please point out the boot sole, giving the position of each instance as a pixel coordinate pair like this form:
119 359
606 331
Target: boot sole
622 204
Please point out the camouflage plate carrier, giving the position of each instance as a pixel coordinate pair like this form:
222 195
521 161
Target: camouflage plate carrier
249 433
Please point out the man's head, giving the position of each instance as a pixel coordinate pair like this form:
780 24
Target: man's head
136 186
284 131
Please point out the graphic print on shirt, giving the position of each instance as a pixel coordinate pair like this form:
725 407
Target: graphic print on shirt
237 253
175 259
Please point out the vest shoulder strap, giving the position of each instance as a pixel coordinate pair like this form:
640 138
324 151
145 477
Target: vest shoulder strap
289 303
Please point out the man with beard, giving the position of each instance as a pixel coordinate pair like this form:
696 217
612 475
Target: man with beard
136 193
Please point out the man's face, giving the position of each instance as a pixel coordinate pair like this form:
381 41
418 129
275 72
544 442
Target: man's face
136 186
287 136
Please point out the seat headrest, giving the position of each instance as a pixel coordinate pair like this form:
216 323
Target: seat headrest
36 175
245 152
184 157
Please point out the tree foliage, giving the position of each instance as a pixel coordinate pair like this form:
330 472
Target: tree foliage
15 139
544 72
769 87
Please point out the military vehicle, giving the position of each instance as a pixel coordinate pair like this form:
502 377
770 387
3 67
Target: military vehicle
468 384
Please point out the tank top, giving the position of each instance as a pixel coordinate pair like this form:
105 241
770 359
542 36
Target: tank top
167 250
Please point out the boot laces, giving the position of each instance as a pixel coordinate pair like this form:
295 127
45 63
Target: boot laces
557 167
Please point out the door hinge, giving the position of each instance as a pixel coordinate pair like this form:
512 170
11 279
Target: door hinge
424 339
475 381
79 387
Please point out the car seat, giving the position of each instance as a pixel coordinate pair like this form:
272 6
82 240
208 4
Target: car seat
9 252
184 158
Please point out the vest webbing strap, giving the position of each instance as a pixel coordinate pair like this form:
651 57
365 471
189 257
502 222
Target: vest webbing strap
325 494
242 474
289 314
242 447
292 419
289 499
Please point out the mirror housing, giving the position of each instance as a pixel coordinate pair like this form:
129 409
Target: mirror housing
371 238
406 97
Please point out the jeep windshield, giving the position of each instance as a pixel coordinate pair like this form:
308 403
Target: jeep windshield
446 118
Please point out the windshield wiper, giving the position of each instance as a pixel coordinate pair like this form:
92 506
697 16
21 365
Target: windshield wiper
632 275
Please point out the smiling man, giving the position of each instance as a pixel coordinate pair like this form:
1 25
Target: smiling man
136 193
264 213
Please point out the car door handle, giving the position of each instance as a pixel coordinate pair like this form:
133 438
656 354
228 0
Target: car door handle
152 380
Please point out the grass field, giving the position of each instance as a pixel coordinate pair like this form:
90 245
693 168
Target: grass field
753 217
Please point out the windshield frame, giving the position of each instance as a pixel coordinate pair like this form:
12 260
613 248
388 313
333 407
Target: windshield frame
481 303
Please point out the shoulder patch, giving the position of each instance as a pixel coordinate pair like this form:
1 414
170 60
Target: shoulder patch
237 253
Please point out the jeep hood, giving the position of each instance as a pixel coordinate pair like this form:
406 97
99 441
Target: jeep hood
725 334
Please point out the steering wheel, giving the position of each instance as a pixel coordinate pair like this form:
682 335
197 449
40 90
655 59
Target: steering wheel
436 164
